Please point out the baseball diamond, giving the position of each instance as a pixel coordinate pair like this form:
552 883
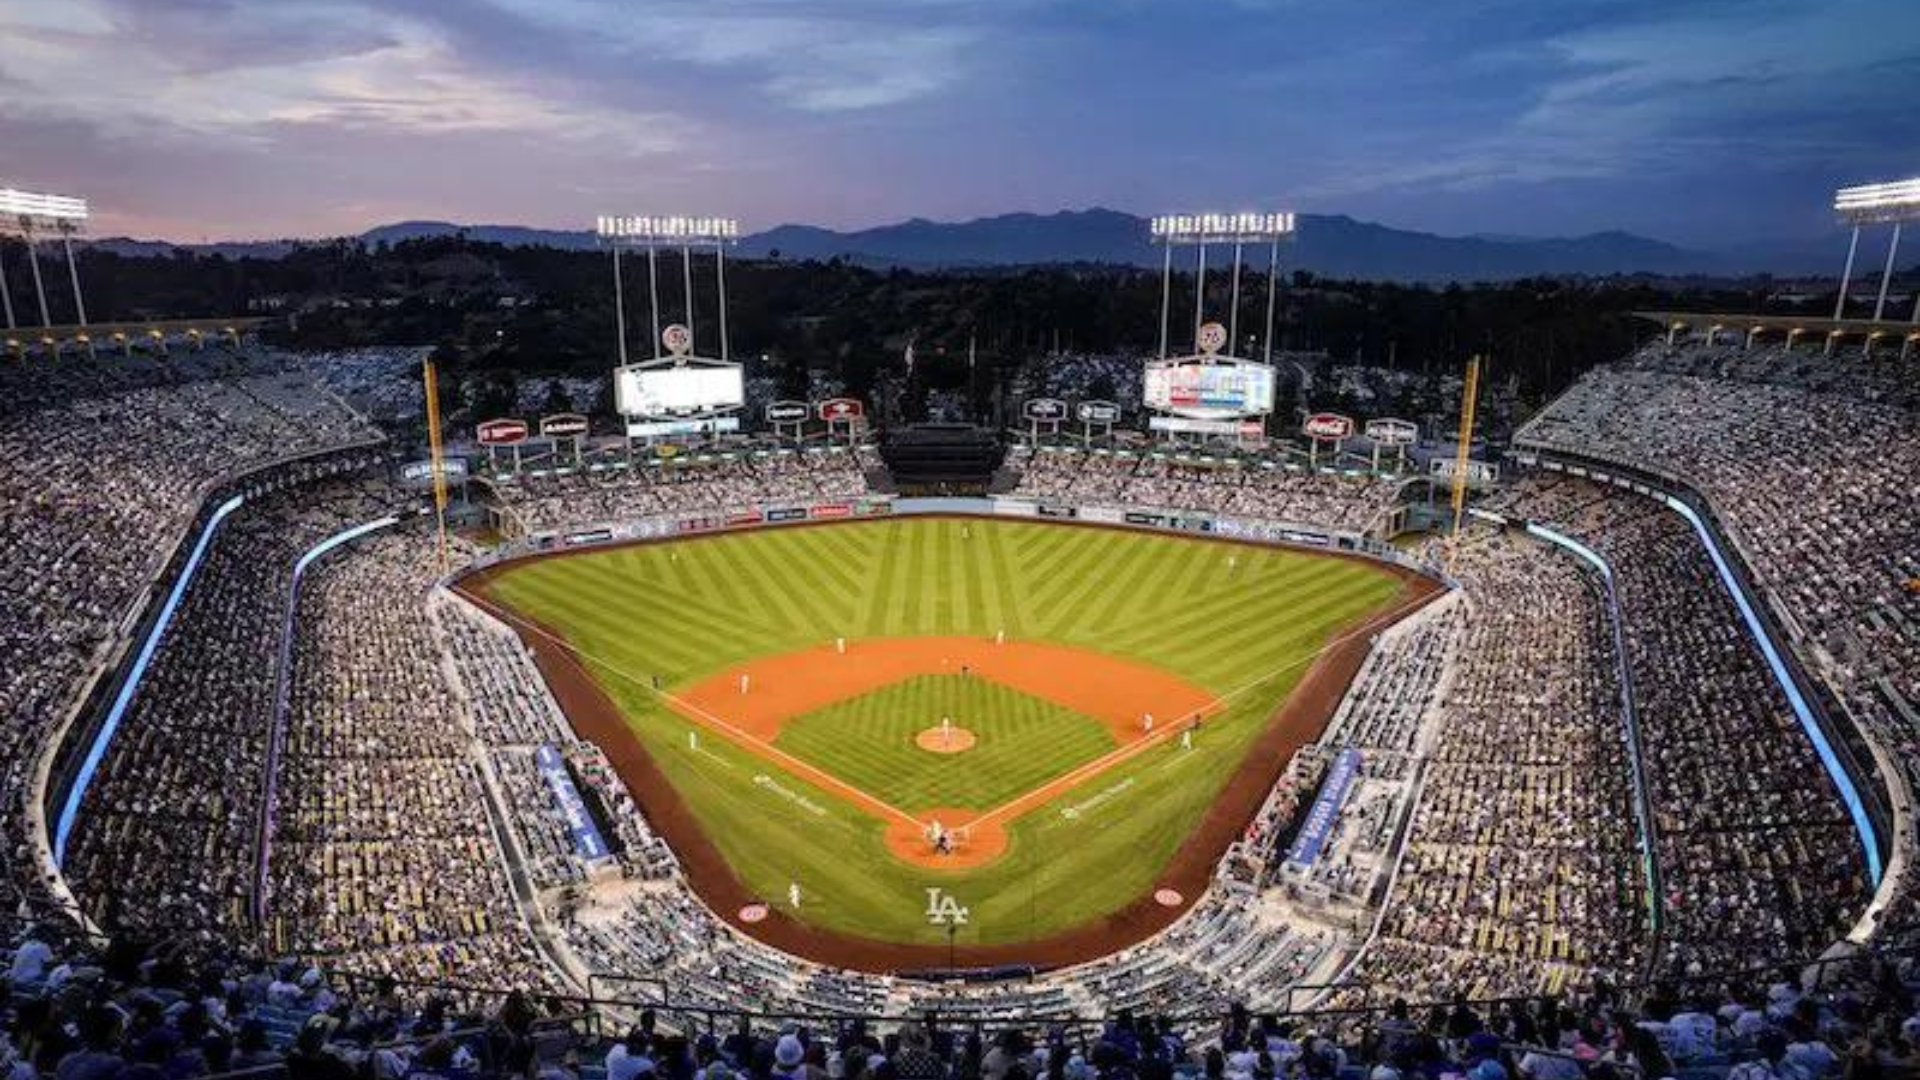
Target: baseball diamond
1115 683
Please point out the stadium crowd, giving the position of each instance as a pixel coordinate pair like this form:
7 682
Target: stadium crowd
383 853
1519 874
1806 462
1235 487
1757 859
129 1010
164 842
708 482
109 467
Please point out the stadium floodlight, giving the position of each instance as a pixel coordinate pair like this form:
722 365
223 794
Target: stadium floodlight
667 230
1221 228
1878 204
37 208
652 232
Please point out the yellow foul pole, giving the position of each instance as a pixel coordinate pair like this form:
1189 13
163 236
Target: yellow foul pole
439 467
1463 453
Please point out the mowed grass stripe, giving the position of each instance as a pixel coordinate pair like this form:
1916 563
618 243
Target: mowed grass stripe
589 624
826 567
1073 552
1290 583
962 598
1087 560
1246 641
974 561
1012 617
694 611
1123 583
824 601
881 580
904 590
743 562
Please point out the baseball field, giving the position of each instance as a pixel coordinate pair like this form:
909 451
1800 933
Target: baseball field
1038 720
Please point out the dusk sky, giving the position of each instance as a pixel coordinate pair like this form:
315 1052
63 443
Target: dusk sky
1693 122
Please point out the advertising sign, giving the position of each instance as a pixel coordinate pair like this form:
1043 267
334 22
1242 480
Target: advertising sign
419 474
1046 409
1097 412
587 841
501 432
835 410
1187 426
1318 826
787 412
1331 427
1478 472
563 426
654 429
1389 432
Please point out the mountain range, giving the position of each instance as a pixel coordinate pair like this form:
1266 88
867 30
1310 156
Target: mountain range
1330 245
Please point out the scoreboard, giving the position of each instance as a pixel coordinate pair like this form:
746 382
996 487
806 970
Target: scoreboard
1209 388
680 390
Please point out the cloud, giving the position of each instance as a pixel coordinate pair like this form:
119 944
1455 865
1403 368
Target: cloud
808 55
200 70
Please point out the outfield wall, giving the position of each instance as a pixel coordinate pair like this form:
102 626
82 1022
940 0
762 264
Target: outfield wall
1144 518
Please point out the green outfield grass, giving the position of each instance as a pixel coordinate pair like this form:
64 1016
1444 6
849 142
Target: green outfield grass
1241 622
868 741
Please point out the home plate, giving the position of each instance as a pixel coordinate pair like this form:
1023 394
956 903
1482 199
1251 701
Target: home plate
753 913
1168 898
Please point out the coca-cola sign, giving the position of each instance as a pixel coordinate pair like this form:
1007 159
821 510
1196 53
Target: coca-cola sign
501 432
1328 426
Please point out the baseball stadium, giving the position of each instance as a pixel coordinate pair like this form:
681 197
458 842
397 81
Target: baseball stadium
1159 718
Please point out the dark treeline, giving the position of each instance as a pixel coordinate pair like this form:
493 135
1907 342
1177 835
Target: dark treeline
541 311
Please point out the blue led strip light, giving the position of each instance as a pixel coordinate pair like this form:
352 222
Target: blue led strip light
70 810
276 735
1641 802
1856 809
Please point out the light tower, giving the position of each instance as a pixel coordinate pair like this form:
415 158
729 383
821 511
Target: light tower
1876 204
679 392
686 233
1200 230
30 215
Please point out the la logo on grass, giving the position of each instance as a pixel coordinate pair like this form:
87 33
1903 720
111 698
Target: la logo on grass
943 909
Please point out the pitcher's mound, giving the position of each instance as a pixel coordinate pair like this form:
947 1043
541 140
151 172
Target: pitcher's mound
944 740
